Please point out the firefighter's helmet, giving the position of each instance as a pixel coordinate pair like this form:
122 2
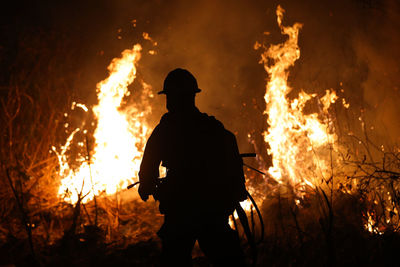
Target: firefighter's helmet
180 81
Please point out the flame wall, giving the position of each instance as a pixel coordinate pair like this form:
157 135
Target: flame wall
353 43
349 45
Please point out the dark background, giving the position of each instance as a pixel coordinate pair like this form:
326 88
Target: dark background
350 45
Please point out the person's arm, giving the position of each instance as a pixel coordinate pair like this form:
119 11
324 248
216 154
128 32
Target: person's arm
237 174
149 167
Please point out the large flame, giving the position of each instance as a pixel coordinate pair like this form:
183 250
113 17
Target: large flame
298 143
119 137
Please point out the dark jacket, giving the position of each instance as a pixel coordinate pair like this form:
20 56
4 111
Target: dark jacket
204 168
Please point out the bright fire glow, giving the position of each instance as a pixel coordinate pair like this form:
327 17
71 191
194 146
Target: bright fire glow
371 226
119 137
299 143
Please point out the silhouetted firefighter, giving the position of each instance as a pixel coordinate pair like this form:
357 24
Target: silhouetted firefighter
204 181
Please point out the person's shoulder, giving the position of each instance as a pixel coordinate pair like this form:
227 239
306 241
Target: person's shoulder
165 118
219 125
213 122
219 130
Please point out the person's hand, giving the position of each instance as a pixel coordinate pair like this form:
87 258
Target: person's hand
143 192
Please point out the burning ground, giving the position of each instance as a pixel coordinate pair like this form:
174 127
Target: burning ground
312 88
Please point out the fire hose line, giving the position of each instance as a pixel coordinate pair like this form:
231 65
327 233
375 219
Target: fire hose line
242 214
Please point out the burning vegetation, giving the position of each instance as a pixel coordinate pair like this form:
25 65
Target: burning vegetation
329 195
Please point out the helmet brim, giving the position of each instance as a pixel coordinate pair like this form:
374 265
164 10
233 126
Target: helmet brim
163 92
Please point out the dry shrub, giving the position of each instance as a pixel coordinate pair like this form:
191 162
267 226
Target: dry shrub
35 222
353 220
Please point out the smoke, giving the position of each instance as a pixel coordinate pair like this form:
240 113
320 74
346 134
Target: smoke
353 46
345 45
349 46
378 46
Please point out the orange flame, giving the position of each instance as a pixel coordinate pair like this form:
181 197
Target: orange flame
297 142
119 137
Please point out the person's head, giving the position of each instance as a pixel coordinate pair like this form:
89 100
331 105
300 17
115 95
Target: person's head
180 87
